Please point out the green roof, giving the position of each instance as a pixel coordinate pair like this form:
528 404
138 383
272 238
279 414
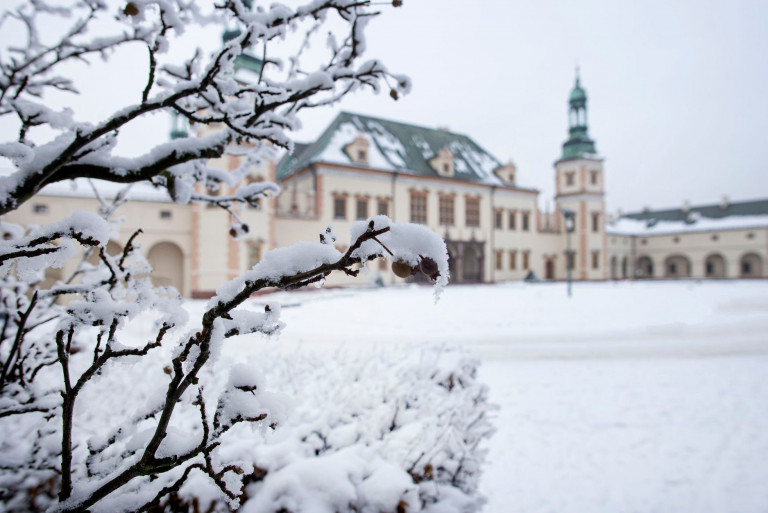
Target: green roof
578 94
394 147
717 211
579 144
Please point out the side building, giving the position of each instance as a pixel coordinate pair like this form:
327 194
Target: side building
725 240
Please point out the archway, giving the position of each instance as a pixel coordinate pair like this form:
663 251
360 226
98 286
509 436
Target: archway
471 265
644 267
677 266
714 266
167 263
452 265
751 266
614 267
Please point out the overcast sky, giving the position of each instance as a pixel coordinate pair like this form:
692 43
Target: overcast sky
678 96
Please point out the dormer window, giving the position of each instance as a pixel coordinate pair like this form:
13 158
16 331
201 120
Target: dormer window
443 162
507 173
357 150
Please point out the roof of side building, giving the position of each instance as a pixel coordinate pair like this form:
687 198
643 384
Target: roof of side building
725 216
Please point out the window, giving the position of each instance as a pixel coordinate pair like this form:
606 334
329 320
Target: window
676 240
254 253
595 222
361 157
40 208
595 260
382 264
473 211
570 178
362 209
446 167
419 207
499 260
643 241
498 219
382 208
512 218
746 268
513 259
715 237
526 260
447 210
165 214
750 235
339 208
593 177
526 221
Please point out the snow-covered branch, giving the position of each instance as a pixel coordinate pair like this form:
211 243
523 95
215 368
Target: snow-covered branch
205 91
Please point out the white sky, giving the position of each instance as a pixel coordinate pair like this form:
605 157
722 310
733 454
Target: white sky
678 104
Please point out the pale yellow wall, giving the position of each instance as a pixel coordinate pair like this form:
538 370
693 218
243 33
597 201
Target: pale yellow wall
137 214
696 246
334 180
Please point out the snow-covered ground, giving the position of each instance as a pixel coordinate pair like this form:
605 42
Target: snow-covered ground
628 397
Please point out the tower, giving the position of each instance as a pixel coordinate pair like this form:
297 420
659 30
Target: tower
579 186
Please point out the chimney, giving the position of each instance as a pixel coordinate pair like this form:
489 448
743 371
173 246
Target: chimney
725 203
686 206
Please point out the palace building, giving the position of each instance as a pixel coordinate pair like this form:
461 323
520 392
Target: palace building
361 166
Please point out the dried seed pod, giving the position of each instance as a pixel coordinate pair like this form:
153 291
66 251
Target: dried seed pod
131 9
402 269
429 267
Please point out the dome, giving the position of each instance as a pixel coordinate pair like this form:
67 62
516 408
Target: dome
578 94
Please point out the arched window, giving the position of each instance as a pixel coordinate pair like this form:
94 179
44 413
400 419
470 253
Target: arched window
714 266
677 266
751 266
644 267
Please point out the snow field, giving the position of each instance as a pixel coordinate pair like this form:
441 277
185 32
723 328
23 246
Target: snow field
632 397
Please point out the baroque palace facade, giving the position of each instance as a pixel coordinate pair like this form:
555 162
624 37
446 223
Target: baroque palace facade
361 166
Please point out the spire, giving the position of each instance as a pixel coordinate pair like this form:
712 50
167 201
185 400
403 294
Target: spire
578 144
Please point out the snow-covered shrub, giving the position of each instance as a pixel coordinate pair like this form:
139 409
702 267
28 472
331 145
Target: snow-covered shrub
388 429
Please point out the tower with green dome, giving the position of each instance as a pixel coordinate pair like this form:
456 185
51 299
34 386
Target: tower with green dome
579 186
578 144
